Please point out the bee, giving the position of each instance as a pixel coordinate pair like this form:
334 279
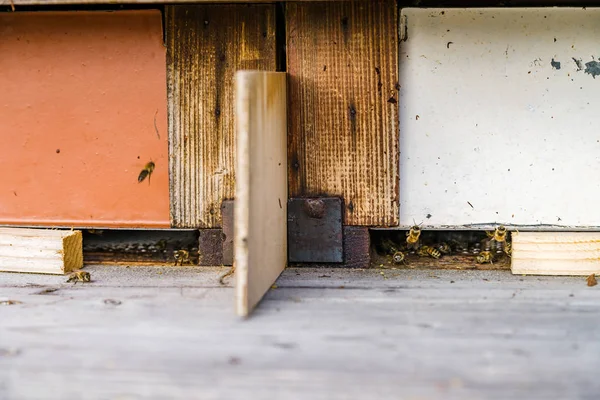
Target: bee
428 251
412 237
146 172
485 257
444 248
398 257
498 235
508 249
182 256
389 247
79 276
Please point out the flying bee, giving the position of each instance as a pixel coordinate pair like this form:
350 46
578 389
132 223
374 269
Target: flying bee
146 172
182 256
428 251
79 276
412 237
498 235
444 248
485 257
398 257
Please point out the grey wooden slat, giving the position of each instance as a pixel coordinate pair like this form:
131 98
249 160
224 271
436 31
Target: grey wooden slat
488 335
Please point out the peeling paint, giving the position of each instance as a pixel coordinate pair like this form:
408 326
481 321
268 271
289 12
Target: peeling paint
592 68
578 62
555 64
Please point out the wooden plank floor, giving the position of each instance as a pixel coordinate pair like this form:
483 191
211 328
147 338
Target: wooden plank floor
158 333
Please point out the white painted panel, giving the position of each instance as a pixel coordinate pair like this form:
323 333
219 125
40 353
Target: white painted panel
486 119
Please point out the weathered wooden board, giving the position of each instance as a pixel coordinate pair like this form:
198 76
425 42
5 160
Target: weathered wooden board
343 89
206 44
56 2
40 251
260 214
322 334
556 253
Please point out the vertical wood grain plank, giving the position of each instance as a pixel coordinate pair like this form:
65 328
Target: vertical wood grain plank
260 212
343 131
206 44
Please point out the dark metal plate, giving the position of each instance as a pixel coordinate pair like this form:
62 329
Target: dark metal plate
315 230
227 223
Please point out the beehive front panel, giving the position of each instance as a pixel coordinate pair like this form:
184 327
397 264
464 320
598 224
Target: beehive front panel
207 44
82 111
343 113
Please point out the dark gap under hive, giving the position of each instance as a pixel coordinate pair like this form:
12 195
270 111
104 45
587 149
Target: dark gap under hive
465 246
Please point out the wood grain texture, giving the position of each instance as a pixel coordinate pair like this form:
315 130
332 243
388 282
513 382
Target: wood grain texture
343 89
206 44
260 213
555 253
322 335
58 2
40 251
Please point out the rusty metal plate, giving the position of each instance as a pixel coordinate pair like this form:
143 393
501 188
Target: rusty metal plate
227 224
315 230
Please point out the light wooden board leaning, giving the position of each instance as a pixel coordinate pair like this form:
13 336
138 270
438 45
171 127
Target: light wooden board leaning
40 250
261 185
556 253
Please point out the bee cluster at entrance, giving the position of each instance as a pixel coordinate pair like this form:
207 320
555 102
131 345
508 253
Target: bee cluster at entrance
415 246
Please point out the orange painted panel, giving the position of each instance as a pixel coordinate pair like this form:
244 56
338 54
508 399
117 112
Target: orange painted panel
83 107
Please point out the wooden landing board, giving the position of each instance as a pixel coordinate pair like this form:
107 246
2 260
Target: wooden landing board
206 44
58 2
343 140
261 185
40 250
556 253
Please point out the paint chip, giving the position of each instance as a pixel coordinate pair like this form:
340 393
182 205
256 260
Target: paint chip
592 68
555 64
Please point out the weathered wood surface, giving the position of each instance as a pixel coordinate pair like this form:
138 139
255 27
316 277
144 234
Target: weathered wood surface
57 2
322 334
556 253
343 90
206 44
41 251
260 214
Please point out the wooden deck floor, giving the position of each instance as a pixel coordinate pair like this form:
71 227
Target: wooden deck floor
170 333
